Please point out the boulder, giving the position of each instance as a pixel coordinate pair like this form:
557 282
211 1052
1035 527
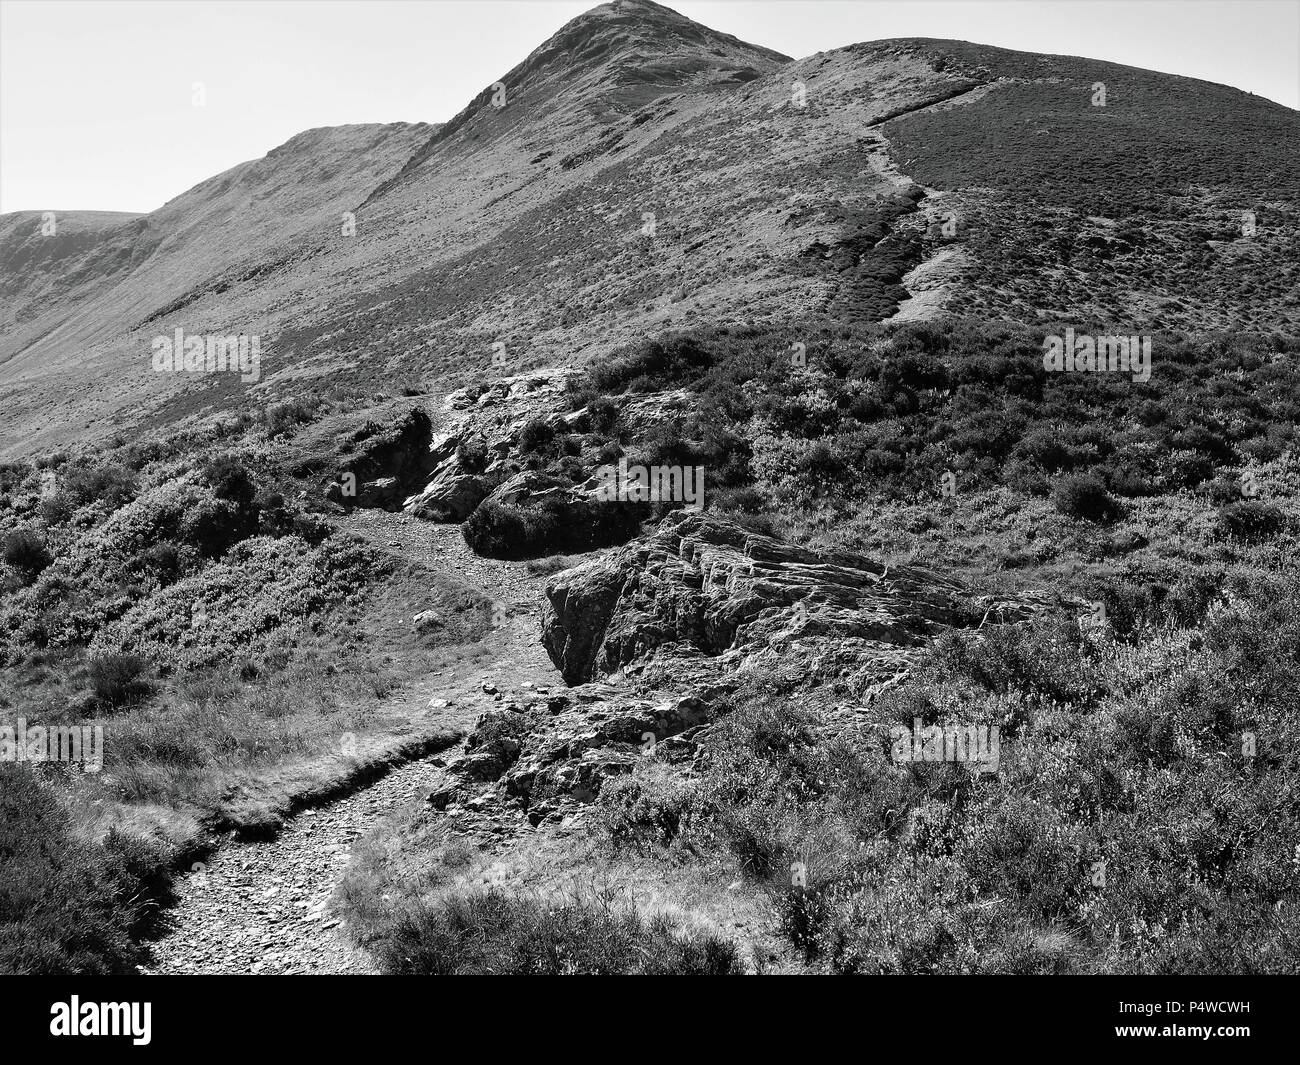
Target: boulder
382 492
428 621
450 496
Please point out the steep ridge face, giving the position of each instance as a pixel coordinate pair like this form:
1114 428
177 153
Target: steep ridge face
45 255
82 305
53 261
605 63
639 173
561 237
241 215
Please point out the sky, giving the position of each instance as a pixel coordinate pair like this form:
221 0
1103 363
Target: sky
98 97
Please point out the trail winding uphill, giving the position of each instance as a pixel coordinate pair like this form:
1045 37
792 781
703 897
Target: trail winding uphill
264 907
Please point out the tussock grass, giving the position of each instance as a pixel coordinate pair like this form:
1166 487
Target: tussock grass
496 933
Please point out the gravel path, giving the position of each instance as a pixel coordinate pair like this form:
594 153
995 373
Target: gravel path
265 907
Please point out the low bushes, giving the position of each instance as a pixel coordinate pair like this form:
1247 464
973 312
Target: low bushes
1251 520
503 530
24 552
281 418
118 679
535 435
1084 497
652 365
651 805
114 485
1143 817
892 404
261 586
110 485
496 933
70 906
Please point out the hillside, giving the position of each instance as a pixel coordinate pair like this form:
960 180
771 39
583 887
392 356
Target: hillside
660 476
84 309
522 224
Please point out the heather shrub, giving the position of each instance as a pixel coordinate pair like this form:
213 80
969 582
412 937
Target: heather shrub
651 804
504 530
262 585
281 418
472 454
1251 521
213 526
773 783
493 932
604 413
1084 497
24 552
535 435
230 480
113 485
1120 833
69 906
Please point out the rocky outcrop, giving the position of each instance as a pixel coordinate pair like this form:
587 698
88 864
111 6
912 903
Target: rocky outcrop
704 585
488 422
550 757
452 492
488 419
451 496
382 463
661 638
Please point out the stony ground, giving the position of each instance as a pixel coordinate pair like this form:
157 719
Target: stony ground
265 907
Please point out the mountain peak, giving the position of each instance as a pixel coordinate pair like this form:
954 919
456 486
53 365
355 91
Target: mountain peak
610 60
638 42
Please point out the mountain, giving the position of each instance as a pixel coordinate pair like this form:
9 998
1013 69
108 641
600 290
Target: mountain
653 480
75 301
780 190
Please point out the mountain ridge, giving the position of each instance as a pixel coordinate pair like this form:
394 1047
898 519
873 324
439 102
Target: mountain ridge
763 209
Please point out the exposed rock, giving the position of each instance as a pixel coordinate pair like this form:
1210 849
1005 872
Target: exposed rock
709 585
495 743
383 492
428 621
385 462
528 486
507 389
492 418
452 492
549 757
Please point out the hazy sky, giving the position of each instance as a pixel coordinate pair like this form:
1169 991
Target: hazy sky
96 106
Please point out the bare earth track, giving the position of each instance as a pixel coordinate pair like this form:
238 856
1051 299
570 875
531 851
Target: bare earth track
264 907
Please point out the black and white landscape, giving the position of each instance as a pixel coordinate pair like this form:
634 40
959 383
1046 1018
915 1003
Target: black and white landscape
696 511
